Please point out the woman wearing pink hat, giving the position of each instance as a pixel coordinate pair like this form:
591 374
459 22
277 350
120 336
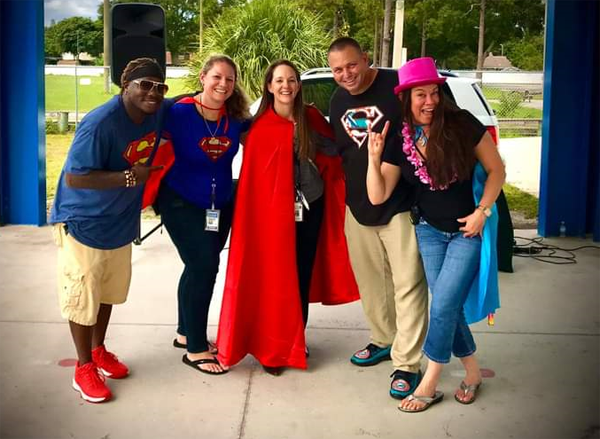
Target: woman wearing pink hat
438 152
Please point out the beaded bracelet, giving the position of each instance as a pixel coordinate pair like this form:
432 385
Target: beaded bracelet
130 178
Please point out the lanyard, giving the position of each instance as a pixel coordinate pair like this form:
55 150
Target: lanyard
222 113
213 193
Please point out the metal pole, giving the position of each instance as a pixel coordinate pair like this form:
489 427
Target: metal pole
399 55
385 42
76 81
107 46
201 20
480 43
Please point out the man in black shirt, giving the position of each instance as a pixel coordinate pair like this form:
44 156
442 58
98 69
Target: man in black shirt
381 240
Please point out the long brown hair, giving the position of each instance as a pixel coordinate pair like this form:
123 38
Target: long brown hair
237 104
306 148
447 156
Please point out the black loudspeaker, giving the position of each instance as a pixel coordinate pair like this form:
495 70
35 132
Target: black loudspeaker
137 30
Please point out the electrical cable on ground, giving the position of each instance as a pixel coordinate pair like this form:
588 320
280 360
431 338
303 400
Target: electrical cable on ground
552 254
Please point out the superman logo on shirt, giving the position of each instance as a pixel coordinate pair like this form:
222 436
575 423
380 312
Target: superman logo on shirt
215 147
138 151
358 121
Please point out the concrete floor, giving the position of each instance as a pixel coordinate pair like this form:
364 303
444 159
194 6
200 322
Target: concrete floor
541 361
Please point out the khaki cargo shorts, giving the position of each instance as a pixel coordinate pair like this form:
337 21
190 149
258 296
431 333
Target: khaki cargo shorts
88 277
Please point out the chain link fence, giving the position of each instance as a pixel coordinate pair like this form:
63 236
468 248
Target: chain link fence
518 109
516 98
73 91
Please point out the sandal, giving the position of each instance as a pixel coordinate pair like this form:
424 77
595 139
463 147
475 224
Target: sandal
404 383
197 363
371 355
179 345
212 348
428 401
467 389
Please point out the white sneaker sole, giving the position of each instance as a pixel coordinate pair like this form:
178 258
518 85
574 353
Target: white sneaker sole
87 397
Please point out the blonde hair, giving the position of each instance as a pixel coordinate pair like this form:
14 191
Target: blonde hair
237 104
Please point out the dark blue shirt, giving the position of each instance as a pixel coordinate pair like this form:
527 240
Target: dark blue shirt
105 140
204 152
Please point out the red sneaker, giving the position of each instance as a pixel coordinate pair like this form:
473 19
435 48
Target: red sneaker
108 363
89 382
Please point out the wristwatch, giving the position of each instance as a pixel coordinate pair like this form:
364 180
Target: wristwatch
486 210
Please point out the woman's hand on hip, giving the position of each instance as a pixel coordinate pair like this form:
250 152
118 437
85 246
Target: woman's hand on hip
473 224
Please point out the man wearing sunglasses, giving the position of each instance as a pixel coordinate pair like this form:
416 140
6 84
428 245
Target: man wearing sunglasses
96 217
148 85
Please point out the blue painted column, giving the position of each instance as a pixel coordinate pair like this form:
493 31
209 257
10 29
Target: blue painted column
593 212
570 177
22 114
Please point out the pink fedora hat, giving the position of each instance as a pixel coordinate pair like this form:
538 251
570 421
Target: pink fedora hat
418 71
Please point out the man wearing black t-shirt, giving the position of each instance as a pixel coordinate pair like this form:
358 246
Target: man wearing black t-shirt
381 240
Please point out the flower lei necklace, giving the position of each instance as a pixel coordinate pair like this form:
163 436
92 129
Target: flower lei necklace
410 150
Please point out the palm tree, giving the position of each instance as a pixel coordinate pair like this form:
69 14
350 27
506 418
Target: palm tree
259 32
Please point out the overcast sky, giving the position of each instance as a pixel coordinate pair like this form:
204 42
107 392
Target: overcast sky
60 9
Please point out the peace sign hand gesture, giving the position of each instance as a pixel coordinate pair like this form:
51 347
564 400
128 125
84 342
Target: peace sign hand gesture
377 141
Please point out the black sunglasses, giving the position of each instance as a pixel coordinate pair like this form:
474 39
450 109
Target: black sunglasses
147 86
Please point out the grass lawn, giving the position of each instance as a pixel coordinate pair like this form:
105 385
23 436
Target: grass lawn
494 92
60 92
57 146
521 201
519 112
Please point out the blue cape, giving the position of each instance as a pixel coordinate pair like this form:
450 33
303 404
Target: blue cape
484 297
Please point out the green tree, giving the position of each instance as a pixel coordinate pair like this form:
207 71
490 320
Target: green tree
527 53
259 32
462 59
51 42
366 26
74 35
358 19
447 29
331 12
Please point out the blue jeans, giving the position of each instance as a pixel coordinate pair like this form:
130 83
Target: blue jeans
451 263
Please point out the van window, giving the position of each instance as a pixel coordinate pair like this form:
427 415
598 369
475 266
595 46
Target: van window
318 91
448 92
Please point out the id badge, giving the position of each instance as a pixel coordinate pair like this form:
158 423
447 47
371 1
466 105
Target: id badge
212 220
298 211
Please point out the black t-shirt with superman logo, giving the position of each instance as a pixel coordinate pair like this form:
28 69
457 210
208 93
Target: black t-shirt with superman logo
442 207
351 116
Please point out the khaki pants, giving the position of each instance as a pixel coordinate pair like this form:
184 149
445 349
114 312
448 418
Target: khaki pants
88 277
392 286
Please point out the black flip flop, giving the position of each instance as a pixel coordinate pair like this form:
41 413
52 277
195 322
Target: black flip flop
179 345
212 348
197 363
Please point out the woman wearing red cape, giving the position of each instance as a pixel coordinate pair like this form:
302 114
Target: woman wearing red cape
270 270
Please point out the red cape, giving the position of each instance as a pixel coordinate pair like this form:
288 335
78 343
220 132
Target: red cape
165 156
261 311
